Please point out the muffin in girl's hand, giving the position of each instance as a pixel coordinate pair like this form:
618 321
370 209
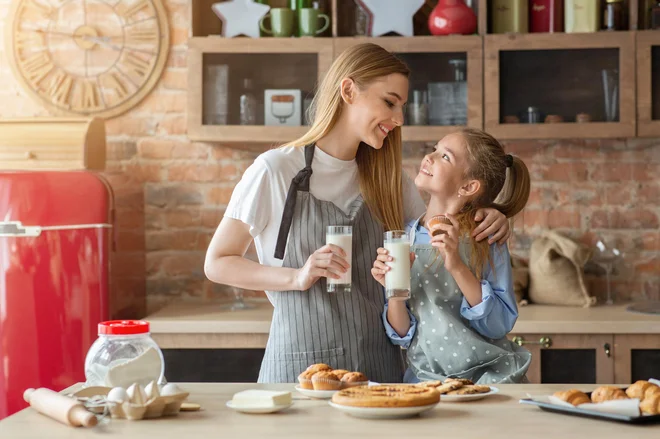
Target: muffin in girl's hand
305 379
339 373
353 379
434 221
325 380
319 367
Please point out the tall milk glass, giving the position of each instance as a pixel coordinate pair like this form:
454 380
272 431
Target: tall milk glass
341 236
397 279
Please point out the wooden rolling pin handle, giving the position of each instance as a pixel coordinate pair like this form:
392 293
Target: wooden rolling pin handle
59 407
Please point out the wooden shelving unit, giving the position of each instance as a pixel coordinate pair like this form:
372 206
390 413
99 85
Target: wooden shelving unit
488 74
648 83
573 47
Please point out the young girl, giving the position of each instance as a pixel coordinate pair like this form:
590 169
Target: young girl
462 301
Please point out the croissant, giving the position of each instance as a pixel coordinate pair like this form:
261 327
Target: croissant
637 389
607 393
650 405
651 390
572 396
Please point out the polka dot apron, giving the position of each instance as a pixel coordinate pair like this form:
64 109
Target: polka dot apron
444 344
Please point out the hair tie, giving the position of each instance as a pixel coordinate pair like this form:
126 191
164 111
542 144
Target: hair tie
509 160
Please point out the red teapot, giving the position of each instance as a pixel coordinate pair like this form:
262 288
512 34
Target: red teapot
452 17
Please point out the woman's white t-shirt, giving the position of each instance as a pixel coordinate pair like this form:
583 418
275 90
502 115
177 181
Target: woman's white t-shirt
258 199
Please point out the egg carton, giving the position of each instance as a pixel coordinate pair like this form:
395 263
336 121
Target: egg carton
137 402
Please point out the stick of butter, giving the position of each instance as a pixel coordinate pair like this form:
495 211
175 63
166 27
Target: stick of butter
261 398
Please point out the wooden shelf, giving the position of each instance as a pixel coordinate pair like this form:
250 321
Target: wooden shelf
497 46
648 93
241 51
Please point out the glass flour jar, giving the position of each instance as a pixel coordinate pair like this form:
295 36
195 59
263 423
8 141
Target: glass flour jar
123 354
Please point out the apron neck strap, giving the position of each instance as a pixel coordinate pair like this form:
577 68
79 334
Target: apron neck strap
299 183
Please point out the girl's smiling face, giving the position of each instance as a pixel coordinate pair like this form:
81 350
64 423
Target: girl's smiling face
443 172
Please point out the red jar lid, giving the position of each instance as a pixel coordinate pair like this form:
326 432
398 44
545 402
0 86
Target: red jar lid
123 327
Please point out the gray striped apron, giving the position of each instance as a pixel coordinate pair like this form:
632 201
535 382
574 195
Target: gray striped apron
343 330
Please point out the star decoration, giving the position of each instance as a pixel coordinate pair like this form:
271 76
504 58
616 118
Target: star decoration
240 17
391 15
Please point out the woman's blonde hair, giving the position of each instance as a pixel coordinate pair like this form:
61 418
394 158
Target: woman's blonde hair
379 170
505 186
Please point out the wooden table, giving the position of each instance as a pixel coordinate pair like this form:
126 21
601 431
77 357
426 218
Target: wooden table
497 416
207 325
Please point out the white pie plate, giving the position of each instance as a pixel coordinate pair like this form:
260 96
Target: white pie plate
317 394
267 409
466 398
381 412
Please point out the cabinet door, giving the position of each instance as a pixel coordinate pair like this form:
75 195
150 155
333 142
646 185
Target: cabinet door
569 358
637 357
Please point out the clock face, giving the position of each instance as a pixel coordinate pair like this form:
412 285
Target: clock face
88 57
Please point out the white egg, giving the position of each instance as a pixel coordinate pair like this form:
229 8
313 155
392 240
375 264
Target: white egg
170 389
152 390
136 394
117 394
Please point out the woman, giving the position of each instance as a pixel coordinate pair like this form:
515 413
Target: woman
346 170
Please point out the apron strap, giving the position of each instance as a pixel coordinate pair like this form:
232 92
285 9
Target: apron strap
299 183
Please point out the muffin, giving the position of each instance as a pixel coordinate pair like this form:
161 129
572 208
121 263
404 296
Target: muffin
339 373
319 367
434 221
305 379
353 379
325 380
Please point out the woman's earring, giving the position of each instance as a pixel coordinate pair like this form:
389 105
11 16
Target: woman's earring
459 195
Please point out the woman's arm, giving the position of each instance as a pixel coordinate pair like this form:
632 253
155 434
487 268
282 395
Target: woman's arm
225 263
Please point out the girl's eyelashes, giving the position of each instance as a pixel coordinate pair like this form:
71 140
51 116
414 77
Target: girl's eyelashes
389 103
446 157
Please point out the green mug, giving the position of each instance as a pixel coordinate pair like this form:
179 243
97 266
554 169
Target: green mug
281 22
308 22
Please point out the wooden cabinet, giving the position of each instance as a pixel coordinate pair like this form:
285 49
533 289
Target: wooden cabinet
569 358
648 84
269 64
562 75
637 357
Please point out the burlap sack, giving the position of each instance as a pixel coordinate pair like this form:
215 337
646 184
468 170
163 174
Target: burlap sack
556 271
520 279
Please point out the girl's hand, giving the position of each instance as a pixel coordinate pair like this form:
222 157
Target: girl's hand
328 261
494 224
380 267
447 243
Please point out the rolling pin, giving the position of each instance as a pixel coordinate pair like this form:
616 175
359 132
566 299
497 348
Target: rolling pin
59 407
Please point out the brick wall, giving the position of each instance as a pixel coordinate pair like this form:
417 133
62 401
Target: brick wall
171 193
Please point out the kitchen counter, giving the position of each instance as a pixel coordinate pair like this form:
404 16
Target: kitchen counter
193 324
497 416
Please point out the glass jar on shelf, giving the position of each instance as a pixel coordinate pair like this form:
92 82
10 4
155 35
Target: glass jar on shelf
248 104
614 16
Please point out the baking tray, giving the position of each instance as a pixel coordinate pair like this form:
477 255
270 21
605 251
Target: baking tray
574 411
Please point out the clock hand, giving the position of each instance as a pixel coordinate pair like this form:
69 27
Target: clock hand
104 42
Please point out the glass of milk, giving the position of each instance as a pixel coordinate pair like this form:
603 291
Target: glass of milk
341 236
397 279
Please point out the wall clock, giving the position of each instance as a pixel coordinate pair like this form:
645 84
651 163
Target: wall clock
87 57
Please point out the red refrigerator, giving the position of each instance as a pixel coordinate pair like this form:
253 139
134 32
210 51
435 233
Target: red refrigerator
55 238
